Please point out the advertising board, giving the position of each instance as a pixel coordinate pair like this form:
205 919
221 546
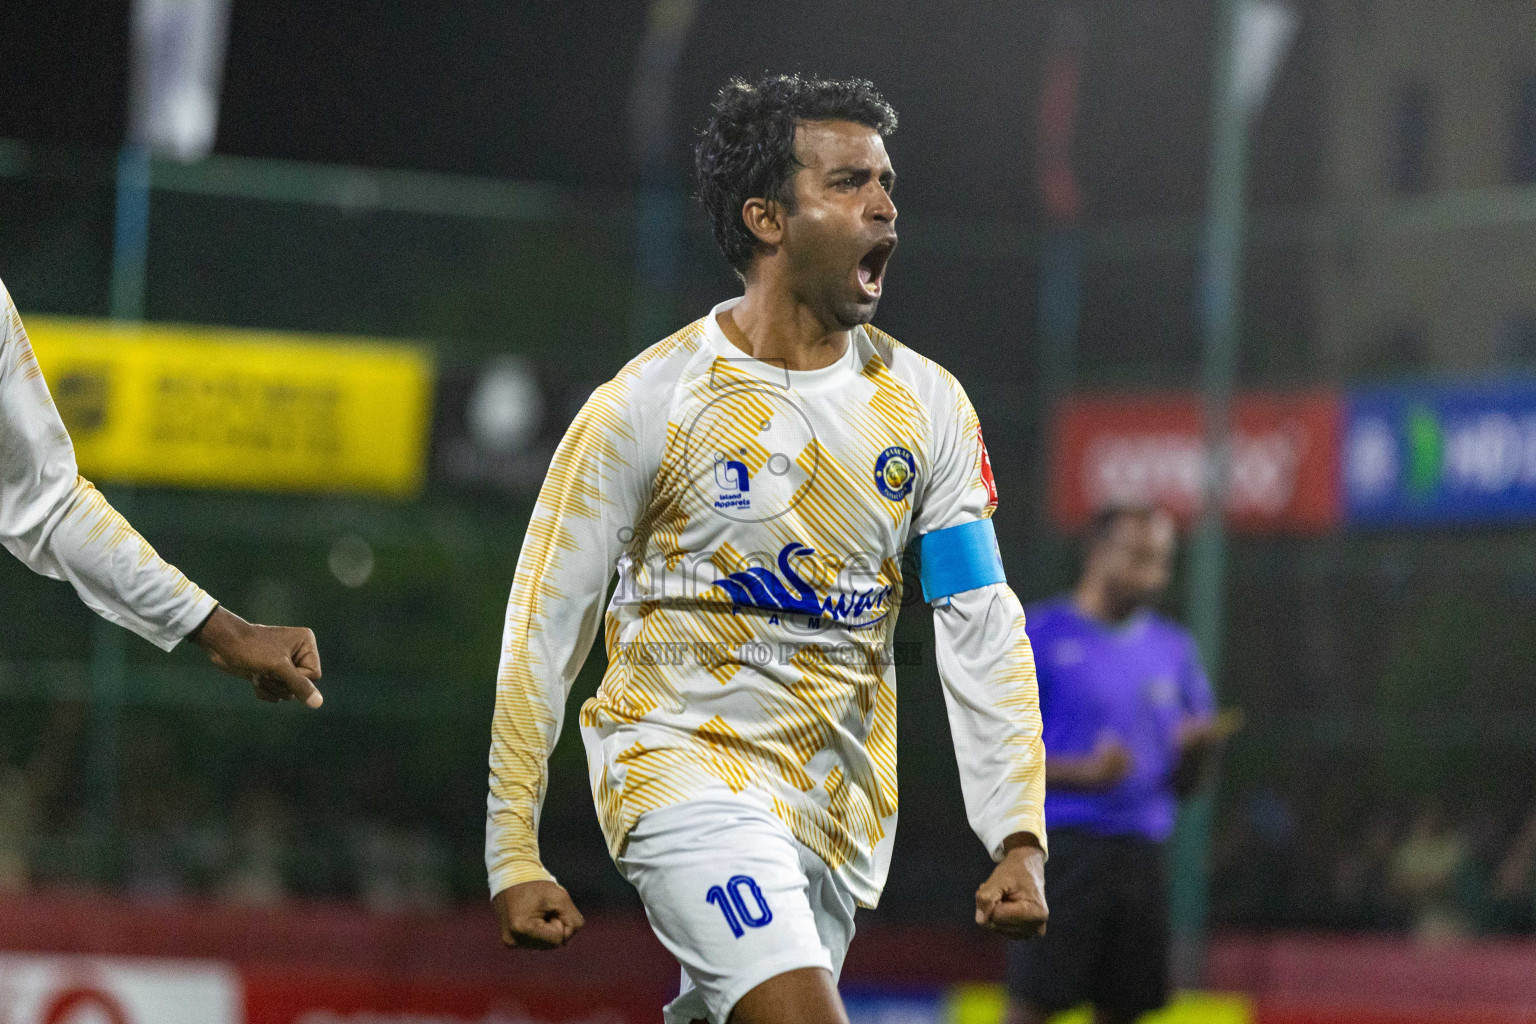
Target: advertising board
1428 455
1282 475
215 407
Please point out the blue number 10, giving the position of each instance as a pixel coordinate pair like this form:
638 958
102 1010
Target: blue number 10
734 906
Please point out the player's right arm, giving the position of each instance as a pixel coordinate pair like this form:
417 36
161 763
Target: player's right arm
587 508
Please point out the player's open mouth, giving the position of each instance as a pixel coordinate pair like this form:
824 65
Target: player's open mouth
872 266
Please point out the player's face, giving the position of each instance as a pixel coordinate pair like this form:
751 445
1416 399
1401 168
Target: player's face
843 231
1141 558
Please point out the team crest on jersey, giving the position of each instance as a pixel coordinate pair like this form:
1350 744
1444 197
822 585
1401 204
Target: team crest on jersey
895 472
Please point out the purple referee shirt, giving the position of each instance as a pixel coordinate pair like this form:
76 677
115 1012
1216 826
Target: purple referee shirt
1137 681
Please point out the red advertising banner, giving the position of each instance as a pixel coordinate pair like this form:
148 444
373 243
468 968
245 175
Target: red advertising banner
1283 475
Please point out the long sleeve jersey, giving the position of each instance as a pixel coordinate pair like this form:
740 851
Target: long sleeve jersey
756 517
60 526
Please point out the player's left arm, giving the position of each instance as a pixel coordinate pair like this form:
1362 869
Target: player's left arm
988 671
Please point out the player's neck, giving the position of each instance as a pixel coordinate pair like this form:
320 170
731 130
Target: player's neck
770 323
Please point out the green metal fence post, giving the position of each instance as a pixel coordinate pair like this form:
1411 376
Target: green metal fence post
109 643
1220 311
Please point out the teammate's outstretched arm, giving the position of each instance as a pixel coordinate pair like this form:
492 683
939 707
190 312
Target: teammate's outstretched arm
586 512
988 671
60 526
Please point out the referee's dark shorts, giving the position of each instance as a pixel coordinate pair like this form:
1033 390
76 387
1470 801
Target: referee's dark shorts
1107 941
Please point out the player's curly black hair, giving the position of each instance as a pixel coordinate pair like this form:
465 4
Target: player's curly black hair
748 148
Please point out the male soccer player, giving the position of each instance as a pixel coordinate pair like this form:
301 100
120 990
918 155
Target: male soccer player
60 526
754 478
1129 726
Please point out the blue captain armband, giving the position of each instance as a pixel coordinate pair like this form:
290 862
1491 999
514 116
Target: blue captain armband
958 559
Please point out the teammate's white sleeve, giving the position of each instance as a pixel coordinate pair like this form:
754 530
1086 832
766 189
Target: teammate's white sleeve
60 526
984 656
590 501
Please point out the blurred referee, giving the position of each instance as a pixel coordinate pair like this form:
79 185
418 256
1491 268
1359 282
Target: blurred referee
1129 728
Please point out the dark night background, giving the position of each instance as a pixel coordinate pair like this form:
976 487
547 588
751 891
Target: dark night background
539 91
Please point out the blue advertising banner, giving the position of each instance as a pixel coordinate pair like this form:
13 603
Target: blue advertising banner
1426 455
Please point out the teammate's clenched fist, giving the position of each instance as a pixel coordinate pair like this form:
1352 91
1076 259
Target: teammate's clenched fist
282 661
537 915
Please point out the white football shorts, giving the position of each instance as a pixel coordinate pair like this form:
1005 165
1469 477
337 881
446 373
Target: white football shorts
735 897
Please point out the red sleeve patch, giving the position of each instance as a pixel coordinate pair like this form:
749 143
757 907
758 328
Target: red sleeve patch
987 480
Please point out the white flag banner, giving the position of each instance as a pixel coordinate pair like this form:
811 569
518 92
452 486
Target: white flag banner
1265 29
178 69
44 989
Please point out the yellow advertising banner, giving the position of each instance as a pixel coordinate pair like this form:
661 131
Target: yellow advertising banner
215 407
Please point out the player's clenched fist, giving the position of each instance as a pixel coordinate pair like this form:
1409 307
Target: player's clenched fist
1012 901
537 915
282 662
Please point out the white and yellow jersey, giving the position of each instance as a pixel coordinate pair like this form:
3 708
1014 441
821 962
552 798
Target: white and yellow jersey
60 526
756 517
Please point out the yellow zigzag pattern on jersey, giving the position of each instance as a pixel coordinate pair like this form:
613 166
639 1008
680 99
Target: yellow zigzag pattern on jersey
817 702
751 757
26 359
831 509
828 696
850 807
16 334
881 746
90 506
797 734
662 524
825 834
894 402
1017 693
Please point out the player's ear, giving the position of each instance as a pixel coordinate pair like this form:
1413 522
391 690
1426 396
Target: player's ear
765 219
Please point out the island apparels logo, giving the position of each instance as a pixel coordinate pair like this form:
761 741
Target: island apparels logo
735 481
750 452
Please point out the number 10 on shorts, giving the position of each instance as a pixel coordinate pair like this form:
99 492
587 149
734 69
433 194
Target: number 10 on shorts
733 904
